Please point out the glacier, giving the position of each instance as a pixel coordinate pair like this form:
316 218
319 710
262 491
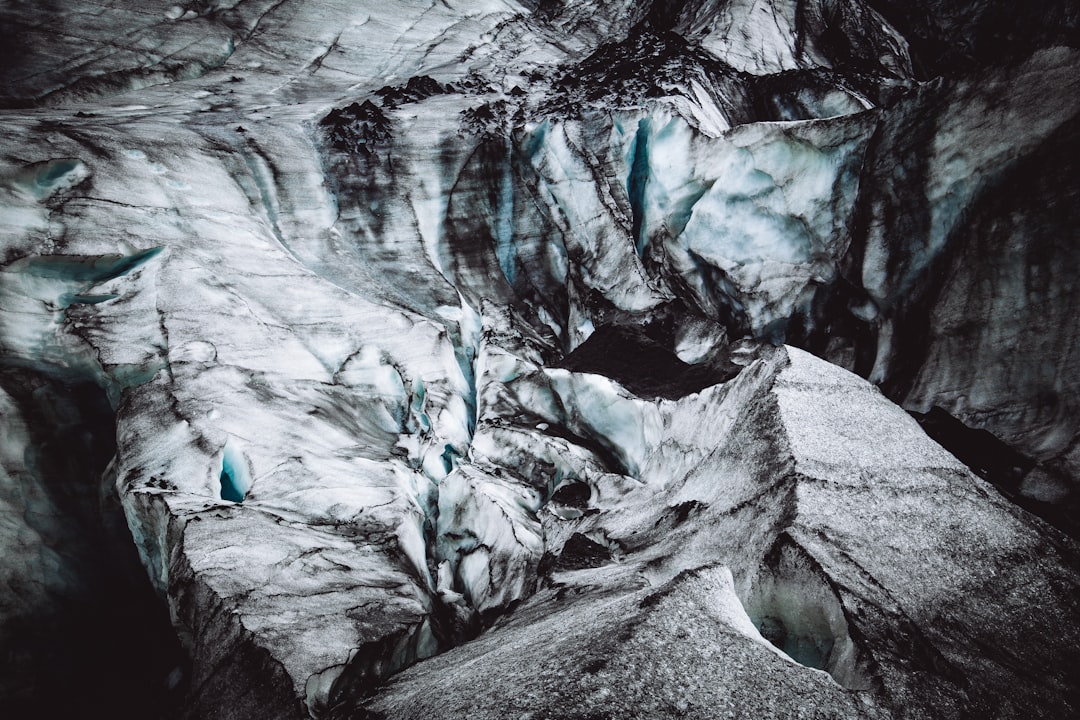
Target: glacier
539 359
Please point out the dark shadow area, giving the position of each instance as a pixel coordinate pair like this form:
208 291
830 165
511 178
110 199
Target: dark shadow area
996 462
644 366
578 553
85 636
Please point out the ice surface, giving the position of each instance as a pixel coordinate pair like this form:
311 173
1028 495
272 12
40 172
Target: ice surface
333 315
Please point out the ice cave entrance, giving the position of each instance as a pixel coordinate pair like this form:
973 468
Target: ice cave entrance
794 608
806 640
235 476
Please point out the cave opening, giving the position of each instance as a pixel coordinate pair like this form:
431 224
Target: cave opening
793 607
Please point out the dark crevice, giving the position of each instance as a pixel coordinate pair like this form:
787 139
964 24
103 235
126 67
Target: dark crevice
376 661
628 355
636 184
573 494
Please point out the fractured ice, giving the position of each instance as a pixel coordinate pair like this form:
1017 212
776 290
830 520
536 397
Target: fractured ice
442 359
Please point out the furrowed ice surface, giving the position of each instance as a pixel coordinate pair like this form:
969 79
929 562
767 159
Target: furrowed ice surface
429 359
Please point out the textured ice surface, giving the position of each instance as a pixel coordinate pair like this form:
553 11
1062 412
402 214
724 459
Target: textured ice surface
347 278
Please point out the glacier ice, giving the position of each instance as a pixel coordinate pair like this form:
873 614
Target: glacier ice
442 359
235 475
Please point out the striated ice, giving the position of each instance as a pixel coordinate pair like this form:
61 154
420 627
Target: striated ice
343 279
